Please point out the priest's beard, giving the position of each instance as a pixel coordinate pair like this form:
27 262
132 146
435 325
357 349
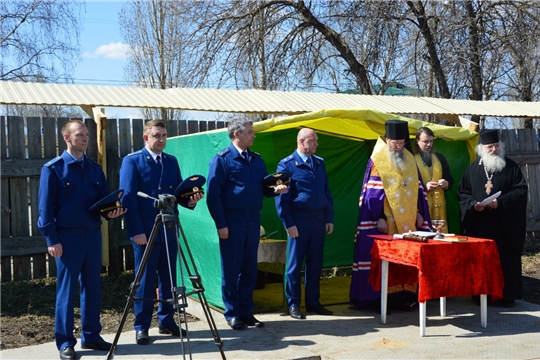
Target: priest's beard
493 163
397 159
426 157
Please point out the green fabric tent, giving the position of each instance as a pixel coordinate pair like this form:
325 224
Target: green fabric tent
346 139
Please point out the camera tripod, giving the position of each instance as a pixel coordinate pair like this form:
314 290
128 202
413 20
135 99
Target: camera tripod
167 218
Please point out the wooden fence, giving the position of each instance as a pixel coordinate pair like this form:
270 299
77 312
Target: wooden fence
28 143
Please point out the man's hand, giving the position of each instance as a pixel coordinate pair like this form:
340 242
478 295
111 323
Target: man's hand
193 199
493 205
223 233
419 220
292 232
479 207
432 186
329 228
116 213
140 239
280 189
382 226
443 184
55 250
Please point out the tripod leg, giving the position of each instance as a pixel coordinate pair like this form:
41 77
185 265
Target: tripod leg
178 293
135 285
198 288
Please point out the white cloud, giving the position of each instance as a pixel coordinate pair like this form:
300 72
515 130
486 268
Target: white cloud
114 50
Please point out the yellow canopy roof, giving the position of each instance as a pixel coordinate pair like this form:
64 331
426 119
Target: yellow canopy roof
361 125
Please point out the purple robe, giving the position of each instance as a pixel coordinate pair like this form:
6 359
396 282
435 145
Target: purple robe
371 205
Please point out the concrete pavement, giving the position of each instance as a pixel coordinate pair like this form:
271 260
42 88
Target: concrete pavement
511 333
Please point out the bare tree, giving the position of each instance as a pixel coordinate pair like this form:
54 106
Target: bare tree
44 111
154 34
39 39
462 49
519 32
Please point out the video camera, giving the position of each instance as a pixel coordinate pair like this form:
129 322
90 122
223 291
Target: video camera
165 202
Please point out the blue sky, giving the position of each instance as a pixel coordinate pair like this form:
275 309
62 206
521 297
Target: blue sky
103 54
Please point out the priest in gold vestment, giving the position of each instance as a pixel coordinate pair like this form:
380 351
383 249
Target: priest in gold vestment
392 200
435 173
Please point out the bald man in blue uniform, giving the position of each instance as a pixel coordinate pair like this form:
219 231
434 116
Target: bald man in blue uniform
235 197
69 185
152 172
307 213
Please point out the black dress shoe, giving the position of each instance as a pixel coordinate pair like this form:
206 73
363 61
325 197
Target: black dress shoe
319 310
295 313
98 345
68 353
174 331
236 324
251 321
142 337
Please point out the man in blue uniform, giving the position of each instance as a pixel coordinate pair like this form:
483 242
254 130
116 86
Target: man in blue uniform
152 172
234 196
69 185
307 213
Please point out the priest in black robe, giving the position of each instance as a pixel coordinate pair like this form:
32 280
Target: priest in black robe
504 218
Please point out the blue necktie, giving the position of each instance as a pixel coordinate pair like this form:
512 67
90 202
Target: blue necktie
158 160
244 155
309 162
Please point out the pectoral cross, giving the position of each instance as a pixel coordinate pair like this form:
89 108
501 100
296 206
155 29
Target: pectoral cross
488 186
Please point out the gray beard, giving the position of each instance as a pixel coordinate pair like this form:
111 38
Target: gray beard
397 159
492 163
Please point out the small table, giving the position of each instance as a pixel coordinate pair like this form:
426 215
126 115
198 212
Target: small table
442 269
272 251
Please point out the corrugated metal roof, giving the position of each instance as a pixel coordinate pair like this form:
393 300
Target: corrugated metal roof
251 101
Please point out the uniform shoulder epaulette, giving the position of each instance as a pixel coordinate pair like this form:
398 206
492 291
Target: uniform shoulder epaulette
288 158
224 152
92 161
318 157
53 161
135 153
256 153
165 155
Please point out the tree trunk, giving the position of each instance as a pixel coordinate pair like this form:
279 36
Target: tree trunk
433 58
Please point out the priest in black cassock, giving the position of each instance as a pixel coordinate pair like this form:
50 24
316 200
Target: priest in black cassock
503 219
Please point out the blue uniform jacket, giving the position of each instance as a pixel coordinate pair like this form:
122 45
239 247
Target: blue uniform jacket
235 187
66 192
139 172
308 190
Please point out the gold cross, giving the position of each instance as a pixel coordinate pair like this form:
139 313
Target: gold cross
488 186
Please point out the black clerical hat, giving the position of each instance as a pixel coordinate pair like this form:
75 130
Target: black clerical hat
190 186
275 179
489 137
108 203
397 130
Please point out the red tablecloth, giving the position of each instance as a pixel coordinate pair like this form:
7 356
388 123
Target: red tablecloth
442 269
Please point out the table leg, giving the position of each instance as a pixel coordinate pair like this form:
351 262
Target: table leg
384 289
422 307
483 310
443 306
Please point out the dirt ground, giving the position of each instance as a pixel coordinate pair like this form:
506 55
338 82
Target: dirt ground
27 307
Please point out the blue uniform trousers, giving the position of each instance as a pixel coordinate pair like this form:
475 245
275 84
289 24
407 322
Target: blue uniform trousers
239 265
157 261
81 251
309 245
